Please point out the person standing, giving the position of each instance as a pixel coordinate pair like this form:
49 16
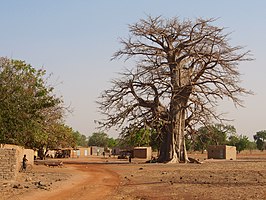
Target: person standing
129 158
24 162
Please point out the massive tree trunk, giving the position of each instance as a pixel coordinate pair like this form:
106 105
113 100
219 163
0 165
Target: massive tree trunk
41 153
173 147
178 135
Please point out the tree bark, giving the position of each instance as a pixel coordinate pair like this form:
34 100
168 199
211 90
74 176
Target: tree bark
173 148
173 145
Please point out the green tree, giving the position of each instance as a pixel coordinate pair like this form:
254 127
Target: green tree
137 137
155 141
240 142
80 139
28 106
112 142
58 136
251 146
140 137
212 135
30 113
183 68
98 139
260 139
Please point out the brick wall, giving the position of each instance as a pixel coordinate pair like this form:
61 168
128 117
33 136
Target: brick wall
142 152
222 152
11 160
8 164
21 152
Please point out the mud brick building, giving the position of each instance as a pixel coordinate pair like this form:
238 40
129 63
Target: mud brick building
222 152
81 152
142 152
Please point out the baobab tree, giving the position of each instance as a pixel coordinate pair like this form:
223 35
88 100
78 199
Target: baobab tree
183 69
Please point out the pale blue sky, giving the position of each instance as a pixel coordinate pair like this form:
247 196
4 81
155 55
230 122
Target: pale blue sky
75 40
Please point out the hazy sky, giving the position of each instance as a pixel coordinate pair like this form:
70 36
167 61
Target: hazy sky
75 40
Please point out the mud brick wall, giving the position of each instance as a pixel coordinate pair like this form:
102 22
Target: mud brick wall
20 153
230 153
142 152
8 164
222 152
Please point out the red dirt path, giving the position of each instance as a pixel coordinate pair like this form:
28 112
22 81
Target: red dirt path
88 182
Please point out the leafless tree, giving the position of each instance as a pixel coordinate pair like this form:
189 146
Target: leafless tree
183 69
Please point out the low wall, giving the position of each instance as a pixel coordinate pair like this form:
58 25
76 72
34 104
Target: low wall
11 159
8 164
21 152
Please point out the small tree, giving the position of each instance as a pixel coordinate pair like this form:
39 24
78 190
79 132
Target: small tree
80 139
240 142
212 135
58 136
137 137
251 146
99 139
112 142
260 139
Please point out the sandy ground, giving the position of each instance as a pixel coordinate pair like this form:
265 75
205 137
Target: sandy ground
112 179
70 182
210 180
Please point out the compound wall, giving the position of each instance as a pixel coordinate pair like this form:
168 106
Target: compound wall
11 160
8 164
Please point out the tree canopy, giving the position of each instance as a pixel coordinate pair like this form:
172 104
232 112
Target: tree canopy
215 134
240 142
218 134
260 139
81 140
31 115
101 139
183 68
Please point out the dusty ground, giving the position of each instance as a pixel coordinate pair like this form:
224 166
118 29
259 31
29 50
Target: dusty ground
70 182
108 179
211 180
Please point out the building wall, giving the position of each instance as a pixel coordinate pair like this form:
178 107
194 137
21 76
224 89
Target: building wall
142 152
96 151
21 152
230 153
81 152
8 164
116 151
11 159
222 152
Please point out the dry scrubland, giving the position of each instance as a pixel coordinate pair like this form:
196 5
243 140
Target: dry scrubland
111 178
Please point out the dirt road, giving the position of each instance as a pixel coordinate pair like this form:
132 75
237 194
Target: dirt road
88 182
